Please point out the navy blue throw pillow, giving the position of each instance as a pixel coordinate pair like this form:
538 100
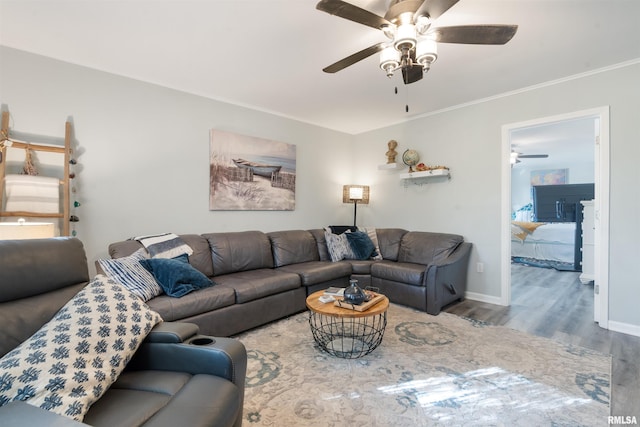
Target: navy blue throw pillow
175 275
361 244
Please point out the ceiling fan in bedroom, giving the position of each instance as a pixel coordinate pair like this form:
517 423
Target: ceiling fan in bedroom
412 44
516 156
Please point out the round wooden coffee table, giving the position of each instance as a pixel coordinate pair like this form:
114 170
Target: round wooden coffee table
346 333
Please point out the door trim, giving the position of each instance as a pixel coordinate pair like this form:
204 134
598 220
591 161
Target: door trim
601 207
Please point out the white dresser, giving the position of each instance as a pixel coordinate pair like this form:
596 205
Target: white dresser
588 248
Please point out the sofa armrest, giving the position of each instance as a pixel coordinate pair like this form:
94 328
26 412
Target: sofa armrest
172 332
446 281
222 357
460 255
19 414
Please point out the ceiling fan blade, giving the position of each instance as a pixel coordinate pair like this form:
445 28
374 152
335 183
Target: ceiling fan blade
352 59
533 156
352 13
475 34
434 8
398 7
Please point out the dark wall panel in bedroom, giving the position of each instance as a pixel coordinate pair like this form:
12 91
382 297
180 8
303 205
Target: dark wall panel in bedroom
557 203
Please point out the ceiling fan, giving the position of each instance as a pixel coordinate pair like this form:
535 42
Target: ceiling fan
412 45
516 156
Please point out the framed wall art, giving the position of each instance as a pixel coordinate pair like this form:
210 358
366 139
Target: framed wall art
550 177
249 173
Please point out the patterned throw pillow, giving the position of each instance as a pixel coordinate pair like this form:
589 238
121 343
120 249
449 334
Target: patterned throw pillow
129 273
73 359
338 246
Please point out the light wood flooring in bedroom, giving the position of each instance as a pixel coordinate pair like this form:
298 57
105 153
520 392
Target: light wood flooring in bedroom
555 304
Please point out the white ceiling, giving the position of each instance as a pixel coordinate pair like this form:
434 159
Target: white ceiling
568 142
269 54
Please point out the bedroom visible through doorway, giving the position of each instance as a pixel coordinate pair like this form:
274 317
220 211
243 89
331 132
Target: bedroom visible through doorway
550 165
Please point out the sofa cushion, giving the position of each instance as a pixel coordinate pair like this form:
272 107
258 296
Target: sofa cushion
192 304
361 266
166 398
422 247
255 284
292 247
36 266
73 359
314 272
403 272
239 251
389 241
200 259
321 244
176 277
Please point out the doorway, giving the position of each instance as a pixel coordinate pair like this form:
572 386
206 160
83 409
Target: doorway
599 118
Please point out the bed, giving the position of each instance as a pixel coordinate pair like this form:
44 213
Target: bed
542 241
547 232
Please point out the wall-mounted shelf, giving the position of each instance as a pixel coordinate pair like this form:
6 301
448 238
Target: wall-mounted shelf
426 174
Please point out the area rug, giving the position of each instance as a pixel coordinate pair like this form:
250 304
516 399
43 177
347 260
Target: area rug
543 263
428 371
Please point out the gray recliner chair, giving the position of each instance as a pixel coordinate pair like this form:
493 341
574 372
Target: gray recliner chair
176 378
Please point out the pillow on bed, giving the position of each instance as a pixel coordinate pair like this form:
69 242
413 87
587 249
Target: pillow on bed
72 360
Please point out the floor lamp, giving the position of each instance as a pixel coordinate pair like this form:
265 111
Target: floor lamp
355 194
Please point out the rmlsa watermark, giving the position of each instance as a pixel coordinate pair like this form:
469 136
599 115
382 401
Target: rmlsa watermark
623 420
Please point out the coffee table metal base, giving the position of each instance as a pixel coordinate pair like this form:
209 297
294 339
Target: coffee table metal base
348 338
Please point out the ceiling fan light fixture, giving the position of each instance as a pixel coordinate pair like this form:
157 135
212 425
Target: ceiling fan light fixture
423 22
389 60
405 37
389 31
426 52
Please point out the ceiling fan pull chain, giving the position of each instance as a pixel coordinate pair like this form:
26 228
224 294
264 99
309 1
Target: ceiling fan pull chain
406 105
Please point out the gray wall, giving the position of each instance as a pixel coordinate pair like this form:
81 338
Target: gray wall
144 152
468 140
144 165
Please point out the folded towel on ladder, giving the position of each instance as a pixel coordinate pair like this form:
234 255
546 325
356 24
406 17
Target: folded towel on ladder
32 193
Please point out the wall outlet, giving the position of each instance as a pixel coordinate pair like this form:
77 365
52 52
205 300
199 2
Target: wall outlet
480 267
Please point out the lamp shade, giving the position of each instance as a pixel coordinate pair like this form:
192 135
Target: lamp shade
26 230
355 193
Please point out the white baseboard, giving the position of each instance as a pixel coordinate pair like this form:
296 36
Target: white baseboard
625 328
483 298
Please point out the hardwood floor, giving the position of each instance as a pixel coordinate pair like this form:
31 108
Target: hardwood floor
554 304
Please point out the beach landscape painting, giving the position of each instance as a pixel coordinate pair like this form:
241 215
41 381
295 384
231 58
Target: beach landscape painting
249 173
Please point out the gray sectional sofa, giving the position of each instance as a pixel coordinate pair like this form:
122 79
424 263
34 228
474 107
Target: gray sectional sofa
261 277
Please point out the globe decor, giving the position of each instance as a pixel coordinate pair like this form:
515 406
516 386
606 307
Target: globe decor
410 158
